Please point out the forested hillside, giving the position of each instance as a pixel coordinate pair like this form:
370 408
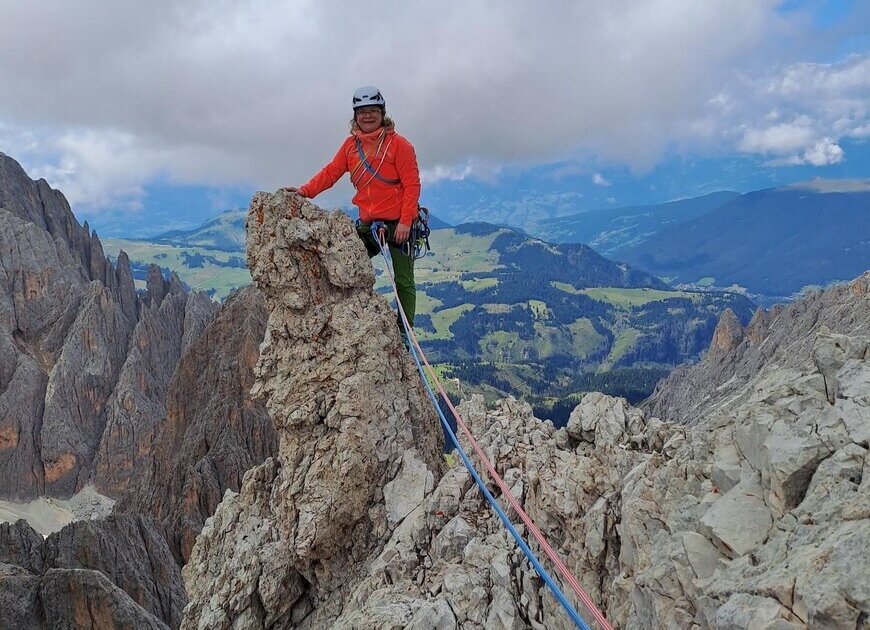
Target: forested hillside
502 313
772 242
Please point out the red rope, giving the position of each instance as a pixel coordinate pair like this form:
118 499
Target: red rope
554 557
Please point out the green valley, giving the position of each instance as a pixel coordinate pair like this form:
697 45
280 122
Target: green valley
502 313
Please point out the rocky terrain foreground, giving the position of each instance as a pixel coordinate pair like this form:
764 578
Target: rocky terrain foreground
739 499
735 498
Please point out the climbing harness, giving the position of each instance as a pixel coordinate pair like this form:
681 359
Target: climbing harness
379 232
417 244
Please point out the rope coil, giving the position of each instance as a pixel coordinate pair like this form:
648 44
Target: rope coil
379 233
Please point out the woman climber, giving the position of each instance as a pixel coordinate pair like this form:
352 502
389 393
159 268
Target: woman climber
383 169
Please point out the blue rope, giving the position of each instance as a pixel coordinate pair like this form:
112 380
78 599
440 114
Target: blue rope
575 617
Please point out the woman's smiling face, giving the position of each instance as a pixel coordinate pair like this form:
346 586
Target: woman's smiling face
369 118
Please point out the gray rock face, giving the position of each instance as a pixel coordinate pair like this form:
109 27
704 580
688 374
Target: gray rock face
78 349
212 431
136 410
765 503
145 396
755 514
82 599
350 415
131 552
22 546
114 573
784 336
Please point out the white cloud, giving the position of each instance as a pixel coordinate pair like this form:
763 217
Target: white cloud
860 131
825 152
455 173
257 92
781 138
598 180
799 114
102 97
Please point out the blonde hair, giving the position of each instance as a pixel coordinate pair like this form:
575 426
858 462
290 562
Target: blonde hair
388 122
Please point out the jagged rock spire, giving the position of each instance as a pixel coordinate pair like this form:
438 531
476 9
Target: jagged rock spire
359 443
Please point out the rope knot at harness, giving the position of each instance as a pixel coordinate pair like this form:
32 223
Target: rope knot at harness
379 231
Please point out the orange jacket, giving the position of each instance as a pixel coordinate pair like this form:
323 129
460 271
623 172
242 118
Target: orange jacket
376 200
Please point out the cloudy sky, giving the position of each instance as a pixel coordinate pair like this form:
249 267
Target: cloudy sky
151 116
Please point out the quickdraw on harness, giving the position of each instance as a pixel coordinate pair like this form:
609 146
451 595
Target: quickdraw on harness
417 244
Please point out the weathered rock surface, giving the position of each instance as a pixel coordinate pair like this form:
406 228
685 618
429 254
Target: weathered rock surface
754 513
639 517
145 396
114 573
79 350
351 417
169 319
213 432
783 335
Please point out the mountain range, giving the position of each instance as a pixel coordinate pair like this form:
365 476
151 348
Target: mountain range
771 243
508 314
105 386
611 230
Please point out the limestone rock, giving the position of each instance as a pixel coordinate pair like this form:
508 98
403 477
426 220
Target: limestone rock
19 598
739 521
137 408
748 611
209 431
727 336
113 573
350 414
99 385
604 420
80 598
753 514
133 555
783 335
82 376
20 545
407 489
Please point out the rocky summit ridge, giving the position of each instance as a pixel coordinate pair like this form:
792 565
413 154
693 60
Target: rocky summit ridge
743 501
737 497
356 450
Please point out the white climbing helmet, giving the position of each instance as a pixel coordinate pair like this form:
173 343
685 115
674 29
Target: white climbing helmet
368 95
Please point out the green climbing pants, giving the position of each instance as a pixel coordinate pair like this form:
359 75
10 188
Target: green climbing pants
403 268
